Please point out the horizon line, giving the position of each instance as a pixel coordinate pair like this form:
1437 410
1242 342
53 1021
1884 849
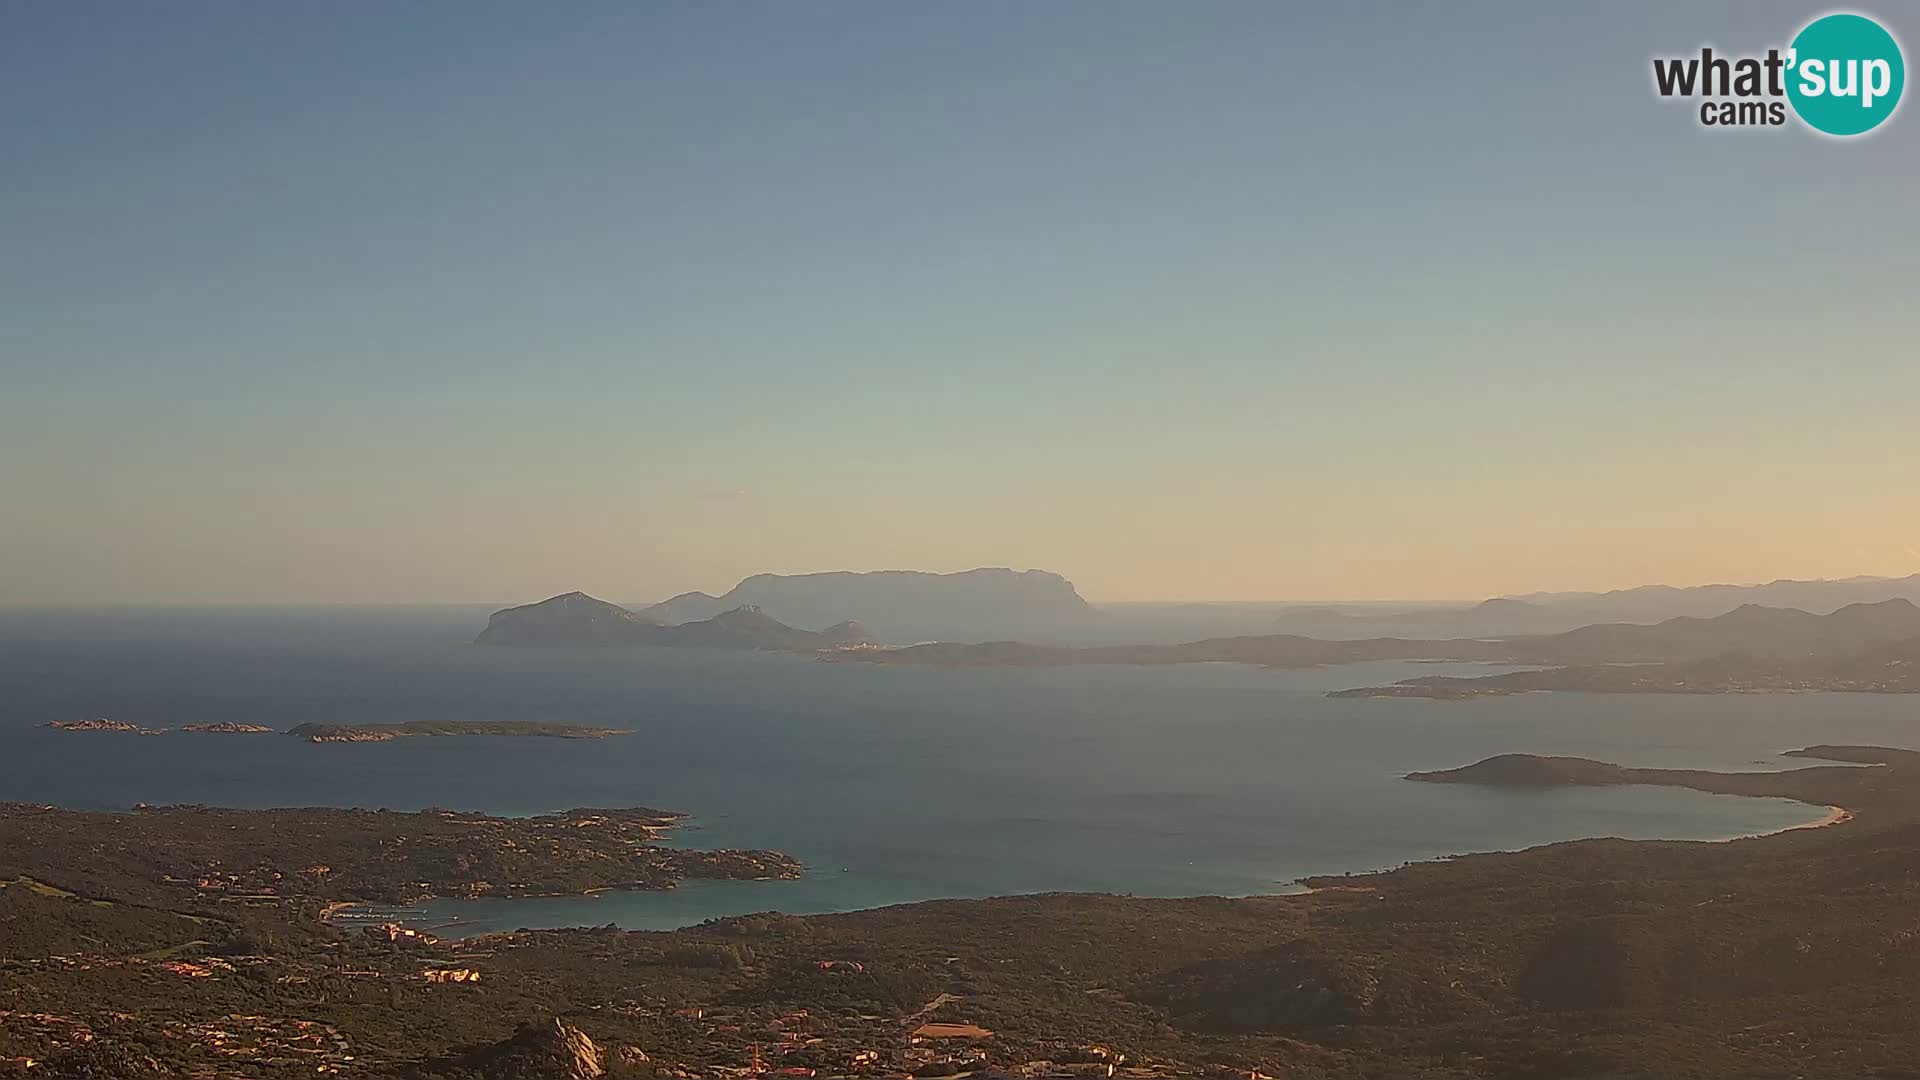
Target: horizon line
283 604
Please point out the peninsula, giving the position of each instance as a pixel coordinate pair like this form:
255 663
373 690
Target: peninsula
303 859
1823 785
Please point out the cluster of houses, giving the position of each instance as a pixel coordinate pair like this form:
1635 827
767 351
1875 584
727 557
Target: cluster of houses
306 1045
450 975
800 1044
395 934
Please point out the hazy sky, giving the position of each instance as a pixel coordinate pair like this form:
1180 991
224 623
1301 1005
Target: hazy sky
447 301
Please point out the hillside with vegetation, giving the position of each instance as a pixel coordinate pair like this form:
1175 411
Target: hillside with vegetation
1786 955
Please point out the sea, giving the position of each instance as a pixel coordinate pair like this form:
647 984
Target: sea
892 784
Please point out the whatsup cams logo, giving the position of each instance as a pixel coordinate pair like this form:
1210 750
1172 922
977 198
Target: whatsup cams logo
1841 75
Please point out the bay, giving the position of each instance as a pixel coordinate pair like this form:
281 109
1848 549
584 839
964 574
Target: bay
894 785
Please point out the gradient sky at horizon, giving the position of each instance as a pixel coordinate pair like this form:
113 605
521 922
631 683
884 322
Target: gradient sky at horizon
487 301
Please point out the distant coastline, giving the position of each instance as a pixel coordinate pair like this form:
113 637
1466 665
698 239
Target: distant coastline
327 733
358 733
1862 648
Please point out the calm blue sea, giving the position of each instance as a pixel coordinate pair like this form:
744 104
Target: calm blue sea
894 785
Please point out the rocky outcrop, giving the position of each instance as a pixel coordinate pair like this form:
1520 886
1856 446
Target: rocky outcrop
324 733
549 1049
100 723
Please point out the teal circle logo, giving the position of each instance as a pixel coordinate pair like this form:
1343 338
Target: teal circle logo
1845 74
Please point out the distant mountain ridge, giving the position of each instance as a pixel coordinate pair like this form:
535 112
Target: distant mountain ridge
1751 631
1816 596
900 605
1553 612
1861 648
575 619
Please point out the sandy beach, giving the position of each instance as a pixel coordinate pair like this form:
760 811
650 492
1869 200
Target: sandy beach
1834 815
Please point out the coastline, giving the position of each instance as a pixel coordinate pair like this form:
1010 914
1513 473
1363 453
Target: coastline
1198 961
1644 817
442 914
1835 815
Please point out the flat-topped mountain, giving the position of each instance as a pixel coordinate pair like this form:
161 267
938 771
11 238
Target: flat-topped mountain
578 619
900 605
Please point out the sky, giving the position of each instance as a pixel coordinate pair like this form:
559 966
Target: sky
360 302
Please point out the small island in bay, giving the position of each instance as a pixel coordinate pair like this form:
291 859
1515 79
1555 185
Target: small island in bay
326 733
226 727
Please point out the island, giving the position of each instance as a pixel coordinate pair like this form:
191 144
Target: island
575 619
197 941
334 733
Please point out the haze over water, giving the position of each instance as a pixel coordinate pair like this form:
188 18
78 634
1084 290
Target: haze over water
892 784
